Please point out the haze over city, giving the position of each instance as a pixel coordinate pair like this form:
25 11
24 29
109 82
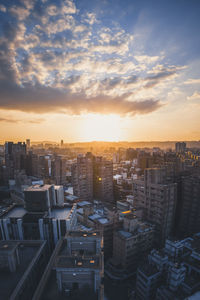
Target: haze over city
99 70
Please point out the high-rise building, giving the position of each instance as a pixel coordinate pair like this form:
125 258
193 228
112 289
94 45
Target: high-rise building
59 195
145 160
131 243
43 167
158 199
92 178
58 170
103 179
82 178
189 207
43 217
180 147
39 198
61 143
22 264
28 143
76 268
13 157
172 272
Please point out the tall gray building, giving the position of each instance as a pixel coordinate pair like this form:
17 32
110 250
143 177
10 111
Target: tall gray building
157 196
189 206
92 178
82 178
75 270
103 179
180 147
13 157
58 170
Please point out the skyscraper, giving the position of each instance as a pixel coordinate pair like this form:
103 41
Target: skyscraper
189 206
92 178
13 157
82 178
103 179
180 147
28 143
158 199
58 170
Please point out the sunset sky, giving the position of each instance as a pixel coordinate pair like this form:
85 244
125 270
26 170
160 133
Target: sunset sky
100 70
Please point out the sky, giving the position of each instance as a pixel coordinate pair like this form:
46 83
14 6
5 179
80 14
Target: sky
106 70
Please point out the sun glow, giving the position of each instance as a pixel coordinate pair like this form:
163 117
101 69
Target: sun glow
98 127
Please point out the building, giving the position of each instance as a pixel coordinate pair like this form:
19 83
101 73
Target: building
59 195
180 147
28 143
76 267
103 179
22 264
148 279
158 197
144 160
189 206
19 224
92 178
43 168
130 244
39 198
13 157
43 217
82 178
58 170
99 220
172 272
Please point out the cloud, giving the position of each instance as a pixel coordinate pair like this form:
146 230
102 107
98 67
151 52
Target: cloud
147 59
12 120
8 120
194 96
90 18
2 8
41 99
160 73
192 81
20 12
54 59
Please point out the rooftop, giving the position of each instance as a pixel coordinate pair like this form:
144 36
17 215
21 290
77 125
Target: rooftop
83 203
6 246
38 187
125 234
103 220
71 197
60 213
148 269
15 212
77 262
94 217
83 234
27 252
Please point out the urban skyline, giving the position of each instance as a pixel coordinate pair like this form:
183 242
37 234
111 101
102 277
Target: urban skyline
106 70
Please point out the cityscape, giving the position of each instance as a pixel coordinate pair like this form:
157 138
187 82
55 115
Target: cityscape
99 150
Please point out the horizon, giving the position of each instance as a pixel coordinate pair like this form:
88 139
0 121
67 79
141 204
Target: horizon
95 141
